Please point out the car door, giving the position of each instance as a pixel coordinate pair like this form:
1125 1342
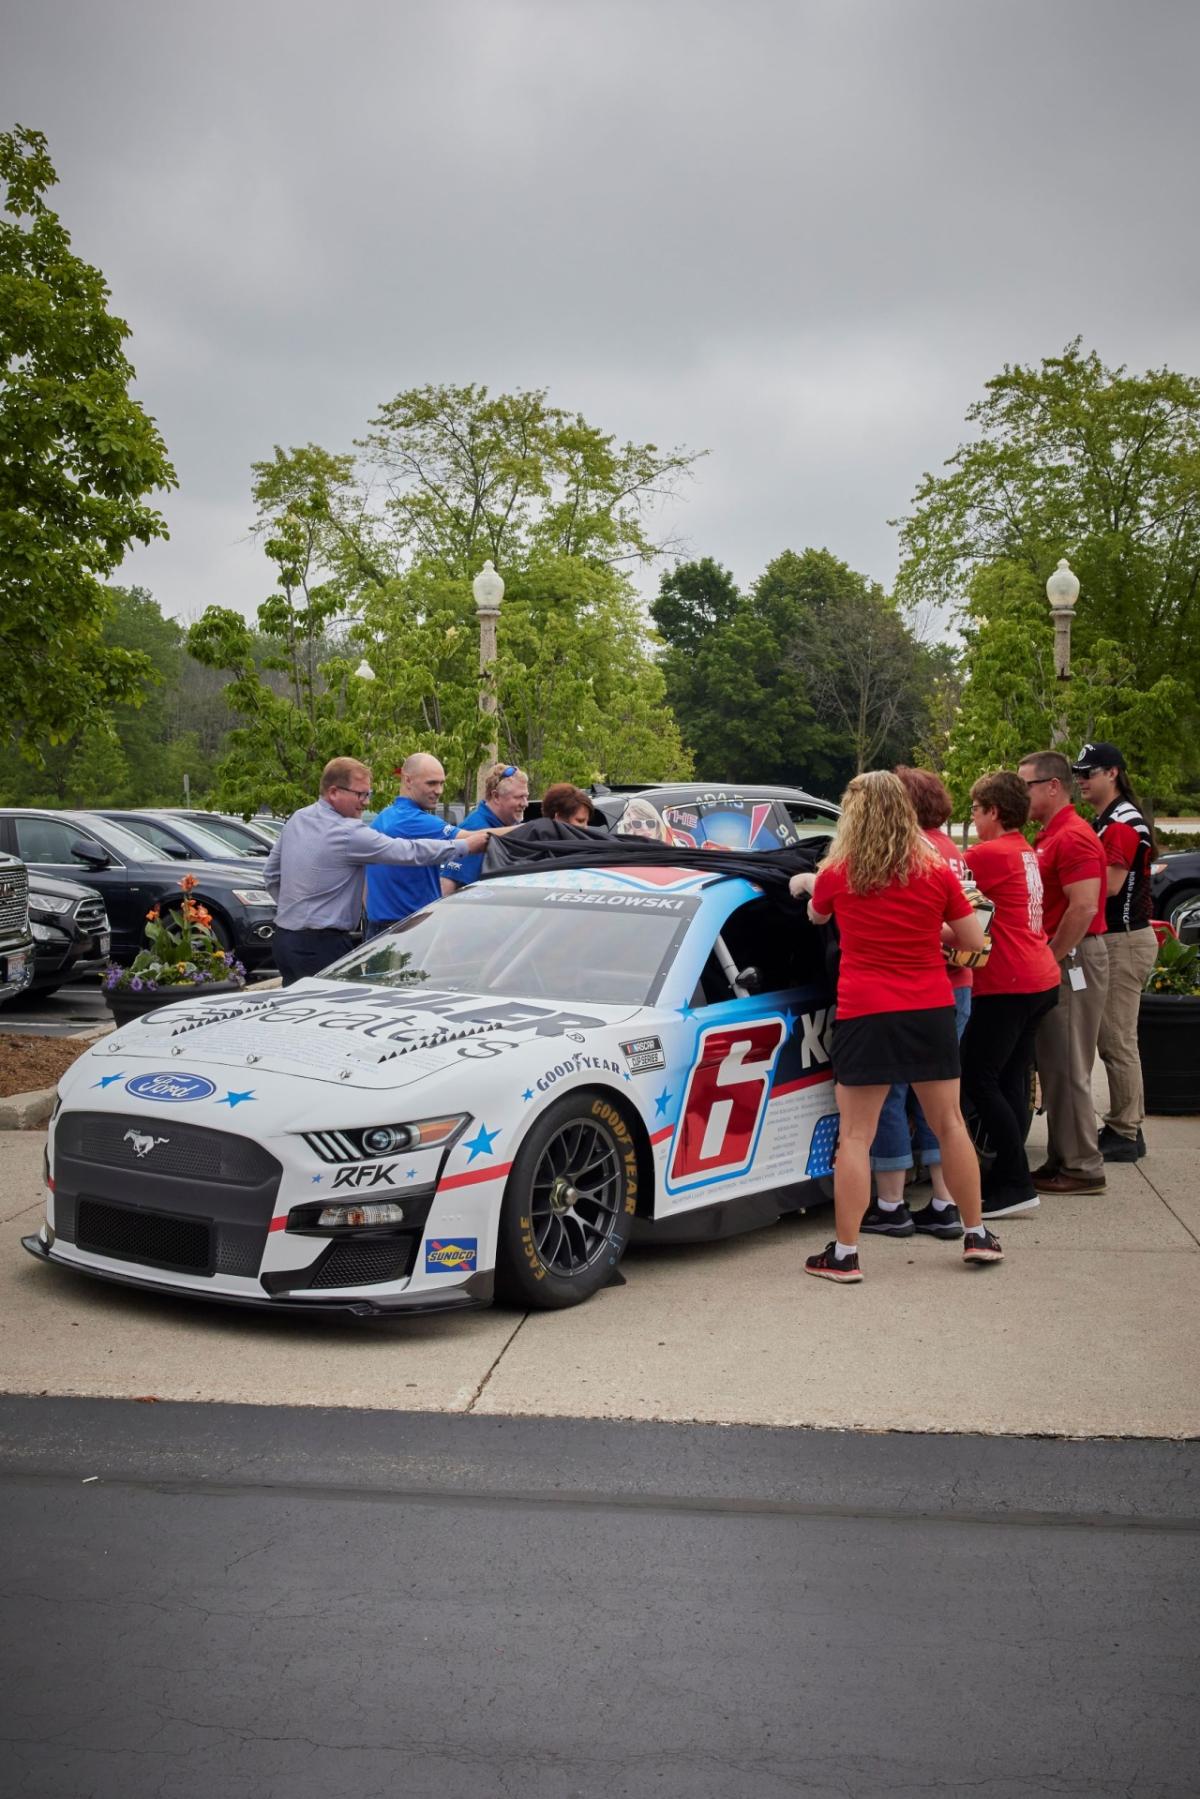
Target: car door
753 1106
45 844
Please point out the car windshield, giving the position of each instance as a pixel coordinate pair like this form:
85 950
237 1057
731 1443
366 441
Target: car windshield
119 839
532 943
232 835
209 840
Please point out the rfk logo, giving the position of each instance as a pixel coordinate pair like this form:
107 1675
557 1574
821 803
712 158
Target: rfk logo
368 1174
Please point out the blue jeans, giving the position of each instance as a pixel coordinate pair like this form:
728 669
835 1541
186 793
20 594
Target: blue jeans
894 1142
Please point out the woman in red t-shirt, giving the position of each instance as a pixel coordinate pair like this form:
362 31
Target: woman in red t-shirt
1013 992
891 894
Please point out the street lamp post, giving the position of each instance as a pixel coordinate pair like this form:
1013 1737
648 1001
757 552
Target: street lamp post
1062 591
488 588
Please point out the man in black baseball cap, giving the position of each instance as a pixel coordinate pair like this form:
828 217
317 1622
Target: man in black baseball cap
1130 944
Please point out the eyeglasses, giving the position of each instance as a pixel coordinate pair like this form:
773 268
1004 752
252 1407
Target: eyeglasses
1041 780
360 793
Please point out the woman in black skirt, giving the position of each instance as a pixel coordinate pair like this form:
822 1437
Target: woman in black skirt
894 899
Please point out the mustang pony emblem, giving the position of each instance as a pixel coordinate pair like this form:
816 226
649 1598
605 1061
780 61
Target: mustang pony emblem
142 1144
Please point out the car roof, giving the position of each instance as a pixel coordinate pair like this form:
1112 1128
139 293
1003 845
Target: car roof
643 878
712 790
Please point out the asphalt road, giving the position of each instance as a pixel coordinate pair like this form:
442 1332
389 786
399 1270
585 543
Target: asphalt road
261 1603
58 1014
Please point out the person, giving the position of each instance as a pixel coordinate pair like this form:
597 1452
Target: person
640 819
892 1150
1130 944
315 870
891 894
505 797
1014 990
395 893
569 804
1072 865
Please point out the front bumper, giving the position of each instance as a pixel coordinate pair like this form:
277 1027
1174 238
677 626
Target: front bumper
477 1290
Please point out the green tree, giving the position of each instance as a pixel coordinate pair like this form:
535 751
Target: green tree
78 456
1071 458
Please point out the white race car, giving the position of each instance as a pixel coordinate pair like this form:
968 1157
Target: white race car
488 1100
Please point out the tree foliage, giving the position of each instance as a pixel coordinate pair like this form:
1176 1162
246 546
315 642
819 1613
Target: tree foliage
78 456
1074 459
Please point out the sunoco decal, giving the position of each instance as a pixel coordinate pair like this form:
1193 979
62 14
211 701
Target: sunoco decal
459 1255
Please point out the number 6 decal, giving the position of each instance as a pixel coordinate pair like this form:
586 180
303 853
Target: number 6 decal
725 1101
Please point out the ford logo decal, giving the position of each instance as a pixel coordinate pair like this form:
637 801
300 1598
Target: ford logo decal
172 1089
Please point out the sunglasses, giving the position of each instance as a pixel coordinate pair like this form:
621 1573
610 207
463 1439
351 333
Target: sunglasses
1041 780
360 793
505 772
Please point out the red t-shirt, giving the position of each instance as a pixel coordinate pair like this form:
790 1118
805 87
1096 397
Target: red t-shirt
1006 870
952 856
1068 851
892 939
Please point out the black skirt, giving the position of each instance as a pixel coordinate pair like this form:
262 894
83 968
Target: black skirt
883 1047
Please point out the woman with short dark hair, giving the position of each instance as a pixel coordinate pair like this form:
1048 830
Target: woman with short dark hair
1013 991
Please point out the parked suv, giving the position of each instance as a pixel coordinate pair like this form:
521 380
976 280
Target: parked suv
71 937
16 941
178 837
1174 881
245 837
730 816
131 878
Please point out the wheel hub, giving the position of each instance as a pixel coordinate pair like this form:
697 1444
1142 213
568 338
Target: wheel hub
562 1196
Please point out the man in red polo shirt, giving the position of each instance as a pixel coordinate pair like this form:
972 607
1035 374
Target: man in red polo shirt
1072 864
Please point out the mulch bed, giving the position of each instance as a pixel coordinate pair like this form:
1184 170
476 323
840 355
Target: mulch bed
27 1063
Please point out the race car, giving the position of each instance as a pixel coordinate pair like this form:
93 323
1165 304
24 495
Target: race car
490 1100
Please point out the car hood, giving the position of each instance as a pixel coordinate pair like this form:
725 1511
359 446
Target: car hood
52 888
354 1035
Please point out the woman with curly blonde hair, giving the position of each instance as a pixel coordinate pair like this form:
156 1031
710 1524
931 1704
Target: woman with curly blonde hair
893 897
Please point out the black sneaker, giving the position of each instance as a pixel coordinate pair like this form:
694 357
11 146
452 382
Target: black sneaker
832 1267
897 1223
1008 1205
938 1221
1115 1148
982 1249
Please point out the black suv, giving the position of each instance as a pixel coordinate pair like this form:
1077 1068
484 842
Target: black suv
131 878
1174 882
729 815
16 942
71 938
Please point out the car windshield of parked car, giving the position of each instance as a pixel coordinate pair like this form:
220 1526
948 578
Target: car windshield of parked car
606 946
208 841
119 840
232 836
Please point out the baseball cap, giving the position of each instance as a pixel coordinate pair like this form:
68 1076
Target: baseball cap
1097 755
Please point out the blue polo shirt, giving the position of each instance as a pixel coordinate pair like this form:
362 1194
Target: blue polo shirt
467 869
395 892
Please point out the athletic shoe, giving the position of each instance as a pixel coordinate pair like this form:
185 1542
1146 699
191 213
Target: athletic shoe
1069 1183
938 1221
888 1224
982 1249
832 1267
1115 1148
1007 1205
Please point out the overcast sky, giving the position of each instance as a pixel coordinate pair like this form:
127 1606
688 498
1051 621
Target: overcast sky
798 236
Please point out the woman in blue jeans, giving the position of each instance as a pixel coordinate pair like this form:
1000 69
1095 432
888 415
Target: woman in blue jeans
895 1137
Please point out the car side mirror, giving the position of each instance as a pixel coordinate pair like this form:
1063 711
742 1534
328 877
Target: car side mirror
177 853
84 850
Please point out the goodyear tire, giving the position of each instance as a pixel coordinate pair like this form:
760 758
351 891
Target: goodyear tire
568 1204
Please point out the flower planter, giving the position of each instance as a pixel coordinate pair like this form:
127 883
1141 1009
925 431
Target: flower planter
1169 1044
125 1004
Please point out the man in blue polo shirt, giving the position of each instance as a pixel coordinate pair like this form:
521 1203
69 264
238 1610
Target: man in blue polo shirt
393 893
505 797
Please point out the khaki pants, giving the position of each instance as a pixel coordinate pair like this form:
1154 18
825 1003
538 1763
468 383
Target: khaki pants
1066 1050
1131 956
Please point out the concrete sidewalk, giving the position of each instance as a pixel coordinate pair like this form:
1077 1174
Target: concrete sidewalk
1090 1328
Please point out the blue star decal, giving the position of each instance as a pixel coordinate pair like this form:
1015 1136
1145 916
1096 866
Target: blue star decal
685 1010
528 1093
411 1175
106 1080
481 1144
789 1019
236 1099
316 1179
661 1102
625 1075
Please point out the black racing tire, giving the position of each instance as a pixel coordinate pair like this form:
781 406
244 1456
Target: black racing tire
568 1205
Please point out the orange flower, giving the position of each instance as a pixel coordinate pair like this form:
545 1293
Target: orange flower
152 913
187 882
202 916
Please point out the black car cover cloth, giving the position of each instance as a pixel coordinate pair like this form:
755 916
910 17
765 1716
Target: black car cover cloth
583 846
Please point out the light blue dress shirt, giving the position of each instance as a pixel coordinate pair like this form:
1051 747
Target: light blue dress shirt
315 870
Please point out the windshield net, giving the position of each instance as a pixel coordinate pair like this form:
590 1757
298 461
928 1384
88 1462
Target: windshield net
607 946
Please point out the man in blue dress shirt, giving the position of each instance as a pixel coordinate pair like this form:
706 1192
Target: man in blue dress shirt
394 893
505 797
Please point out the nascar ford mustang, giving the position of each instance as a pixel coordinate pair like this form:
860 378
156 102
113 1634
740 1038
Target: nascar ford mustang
490 1099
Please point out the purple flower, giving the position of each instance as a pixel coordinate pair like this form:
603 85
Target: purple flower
136 983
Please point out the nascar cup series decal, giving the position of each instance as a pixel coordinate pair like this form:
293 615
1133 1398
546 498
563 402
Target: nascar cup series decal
459 1255
170 1089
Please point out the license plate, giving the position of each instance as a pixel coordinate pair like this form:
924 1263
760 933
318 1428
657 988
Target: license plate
15 966
103 943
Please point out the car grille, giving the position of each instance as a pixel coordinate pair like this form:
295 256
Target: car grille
362 1264
183 1149
90 917
132 1235
14 898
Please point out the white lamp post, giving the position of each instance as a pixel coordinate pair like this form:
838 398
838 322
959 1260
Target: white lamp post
364 671
1062 591
488 588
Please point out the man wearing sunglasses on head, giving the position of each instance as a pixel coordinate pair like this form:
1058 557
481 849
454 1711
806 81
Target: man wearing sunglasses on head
315 870
505 797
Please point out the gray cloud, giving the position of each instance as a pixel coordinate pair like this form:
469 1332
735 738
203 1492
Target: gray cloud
800 236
